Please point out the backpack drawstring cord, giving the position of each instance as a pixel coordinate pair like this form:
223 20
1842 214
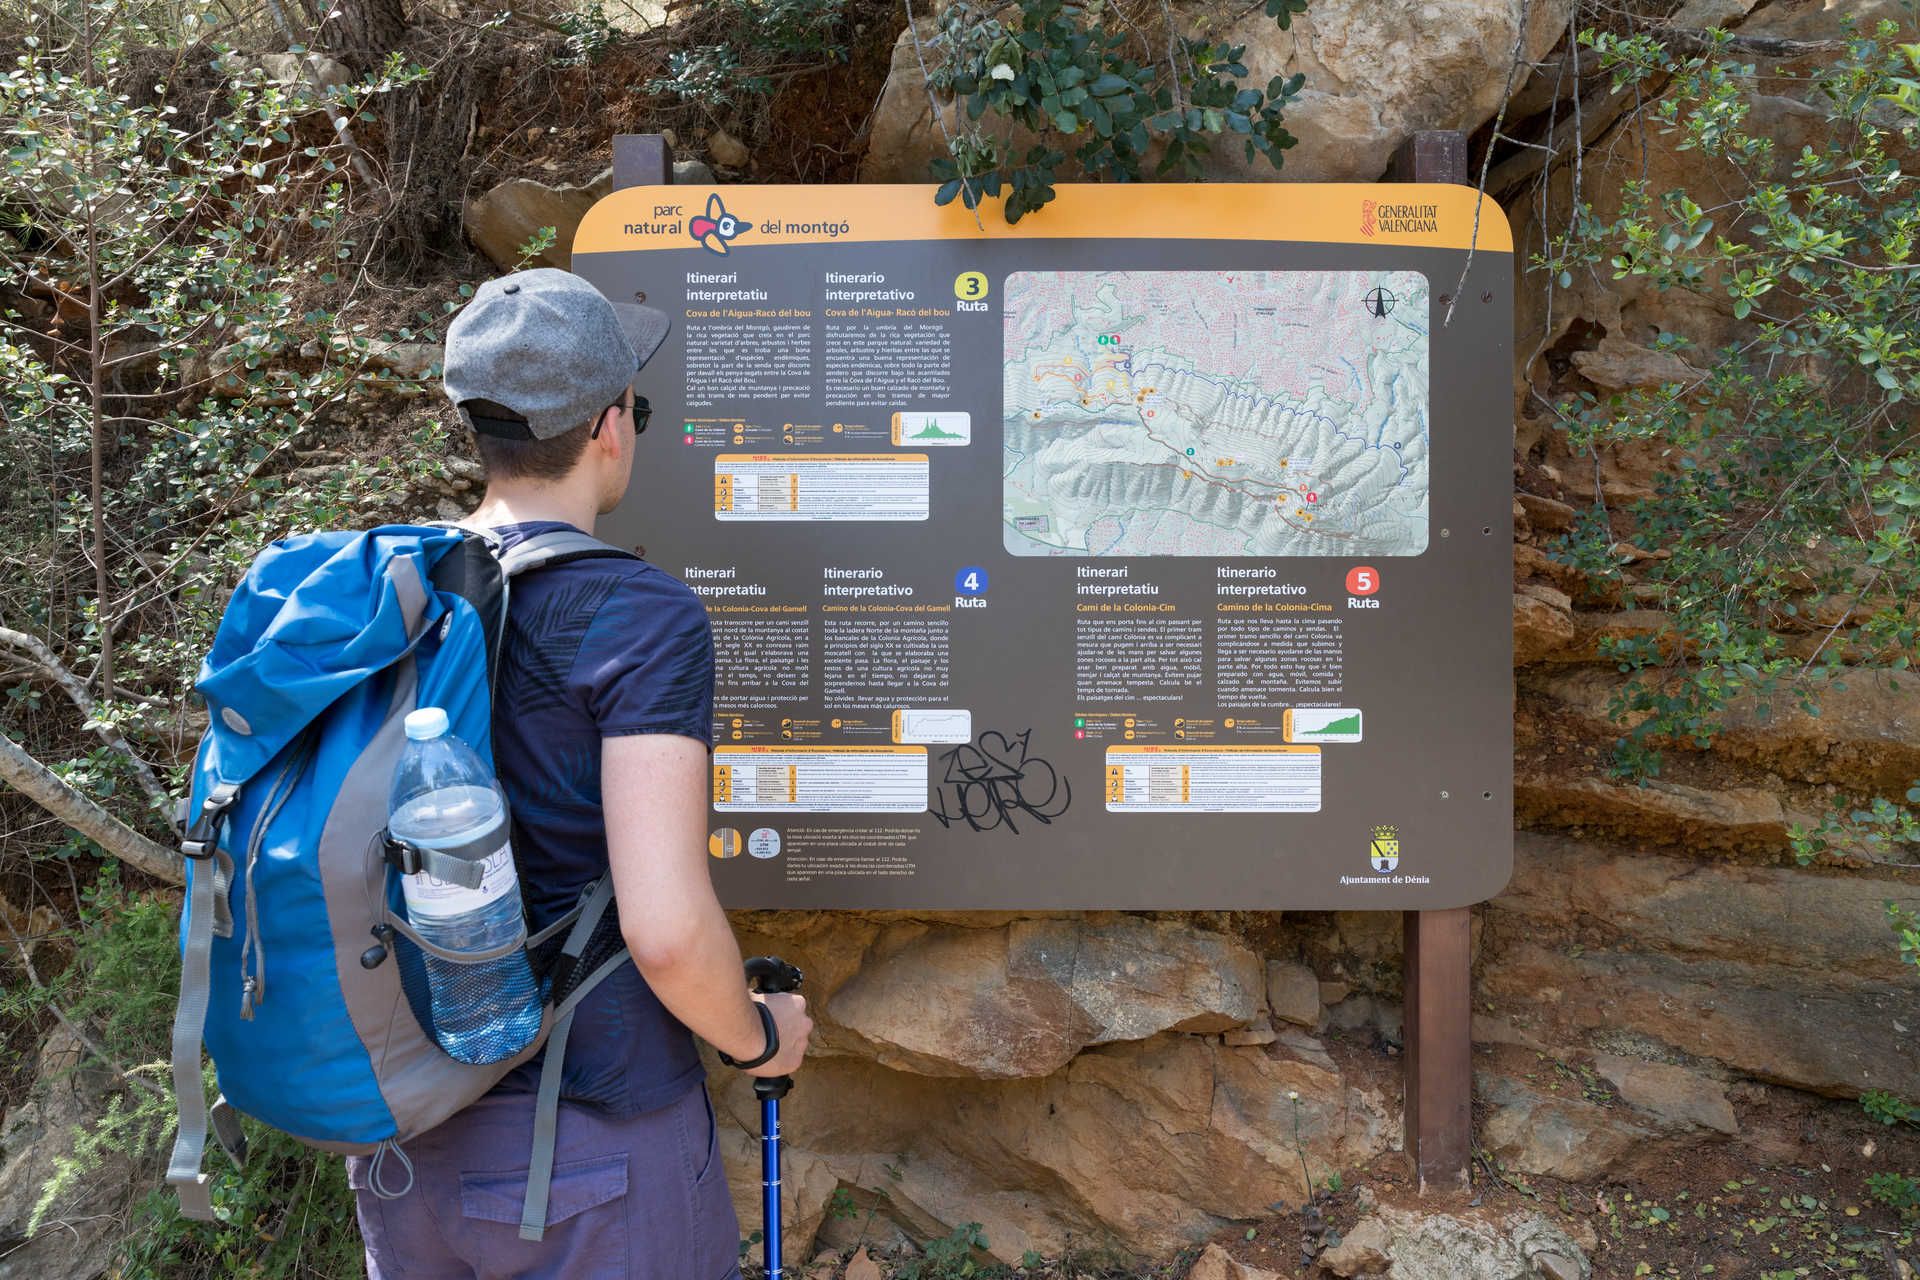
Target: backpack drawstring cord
376 1179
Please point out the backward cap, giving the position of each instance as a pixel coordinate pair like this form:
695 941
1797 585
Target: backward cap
549 346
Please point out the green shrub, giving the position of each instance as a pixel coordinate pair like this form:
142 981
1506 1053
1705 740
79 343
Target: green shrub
1792 493
1088 85
730 52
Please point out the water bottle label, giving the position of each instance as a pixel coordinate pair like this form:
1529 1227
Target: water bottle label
427 896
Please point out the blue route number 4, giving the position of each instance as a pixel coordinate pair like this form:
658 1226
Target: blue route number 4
971 581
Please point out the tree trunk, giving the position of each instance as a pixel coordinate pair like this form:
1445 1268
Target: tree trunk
363 32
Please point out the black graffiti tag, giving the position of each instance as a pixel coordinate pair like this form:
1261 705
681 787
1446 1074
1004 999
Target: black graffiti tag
989 780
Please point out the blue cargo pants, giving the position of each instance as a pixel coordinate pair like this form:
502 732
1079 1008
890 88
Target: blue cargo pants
640 1198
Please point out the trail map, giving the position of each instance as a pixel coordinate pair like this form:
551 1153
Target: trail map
1206 413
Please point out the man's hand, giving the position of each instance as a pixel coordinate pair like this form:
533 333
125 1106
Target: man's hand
790 1017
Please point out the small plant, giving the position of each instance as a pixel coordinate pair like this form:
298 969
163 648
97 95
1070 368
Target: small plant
951 1257
1085 83
1897 1191
730 52
588 34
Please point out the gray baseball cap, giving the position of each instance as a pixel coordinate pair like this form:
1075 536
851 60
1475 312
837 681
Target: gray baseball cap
548 347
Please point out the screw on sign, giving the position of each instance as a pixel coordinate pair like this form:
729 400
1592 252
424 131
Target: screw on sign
1363 580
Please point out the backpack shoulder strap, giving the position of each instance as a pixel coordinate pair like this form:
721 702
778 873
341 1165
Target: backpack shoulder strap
557 546
587 918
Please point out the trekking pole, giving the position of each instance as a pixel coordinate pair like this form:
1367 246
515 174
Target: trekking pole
767 975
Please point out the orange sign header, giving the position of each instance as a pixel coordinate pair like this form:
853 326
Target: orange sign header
733 219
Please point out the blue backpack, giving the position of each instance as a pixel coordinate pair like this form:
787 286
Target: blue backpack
299 972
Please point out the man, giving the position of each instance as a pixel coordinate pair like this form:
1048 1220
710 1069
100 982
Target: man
602 722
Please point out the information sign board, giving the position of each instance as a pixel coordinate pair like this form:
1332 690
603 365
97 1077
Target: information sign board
1154 552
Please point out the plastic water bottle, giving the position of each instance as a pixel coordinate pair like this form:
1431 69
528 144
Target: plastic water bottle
444 797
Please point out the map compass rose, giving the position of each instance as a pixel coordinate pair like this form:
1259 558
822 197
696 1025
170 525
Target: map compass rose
1380 302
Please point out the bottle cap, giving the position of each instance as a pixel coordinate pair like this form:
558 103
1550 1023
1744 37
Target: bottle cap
427 722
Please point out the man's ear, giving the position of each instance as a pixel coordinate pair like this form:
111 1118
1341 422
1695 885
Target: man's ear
605 438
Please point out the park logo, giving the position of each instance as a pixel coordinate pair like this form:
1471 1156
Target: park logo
1367 226
1385 849
715 227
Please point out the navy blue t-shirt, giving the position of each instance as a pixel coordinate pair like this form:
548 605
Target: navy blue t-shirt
595 649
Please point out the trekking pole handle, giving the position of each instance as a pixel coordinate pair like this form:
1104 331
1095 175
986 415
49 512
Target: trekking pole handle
770 975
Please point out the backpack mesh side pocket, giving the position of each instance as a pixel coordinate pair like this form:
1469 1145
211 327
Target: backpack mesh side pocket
479 1009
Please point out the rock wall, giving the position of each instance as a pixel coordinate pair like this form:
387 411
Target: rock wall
1144 1080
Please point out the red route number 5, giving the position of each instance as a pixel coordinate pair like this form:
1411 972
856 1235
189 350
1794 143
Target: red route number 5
1363 580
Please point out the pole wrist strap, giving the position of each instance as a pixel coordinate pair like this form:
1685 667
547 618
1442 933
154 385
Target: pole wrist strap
773 1042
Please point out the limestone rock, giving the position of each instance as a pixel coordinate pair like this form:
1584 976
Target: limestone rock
1137 977
1358 103
1618 364
1217 1264
727 150
1552 1253
1293 993
81 1232
1674 1095
692 173
1538 628
807 1183
1416 1246
1735 819
861 1267
1780 973
1548 515
1434 1245
949 1004
1556 1137
1299 1045
1552 1266
406 359
1024 999
1362 1252
507 216
1258 1032
1699 15
1149 1144
314 69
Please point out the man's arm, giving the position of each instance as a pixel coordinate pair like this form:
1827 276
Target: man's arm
654 794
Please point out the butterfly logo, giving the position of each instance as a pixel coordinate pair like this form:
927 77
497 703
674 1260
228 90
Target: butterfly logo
716 226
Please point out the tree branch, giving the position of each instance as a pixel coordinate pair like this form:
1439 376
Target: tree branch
36 782
76 691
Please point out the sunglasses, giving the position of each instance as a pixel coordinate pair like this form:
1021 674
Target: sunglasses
640 409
